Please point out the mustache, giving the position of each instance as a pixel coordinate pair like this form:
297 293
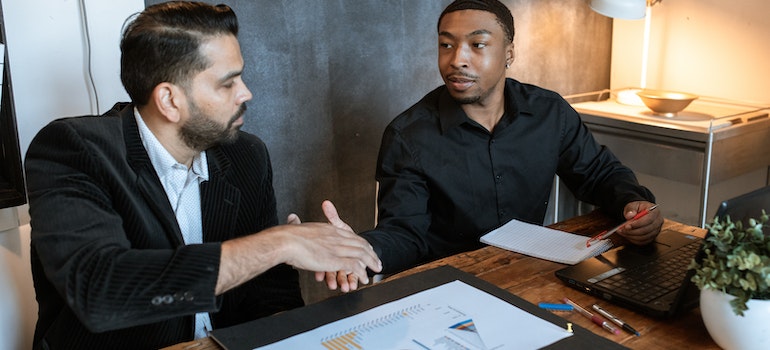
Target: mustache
241 111
461 74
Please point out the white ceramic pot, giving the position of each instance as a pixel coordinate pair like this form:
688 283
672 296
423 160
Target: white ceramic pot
730 331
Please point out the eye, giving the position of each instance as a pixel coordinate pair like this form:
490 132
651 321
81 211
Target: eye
444 45
480 45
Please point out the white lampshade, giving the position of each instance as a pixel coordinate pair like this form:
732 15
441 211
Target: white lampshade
623 9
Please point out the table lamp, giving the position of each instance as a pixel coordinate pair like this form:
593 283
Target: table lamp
623 9
630 9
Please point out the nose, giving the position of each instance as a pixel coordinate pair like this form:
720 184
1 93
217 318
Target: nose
244 94
460 56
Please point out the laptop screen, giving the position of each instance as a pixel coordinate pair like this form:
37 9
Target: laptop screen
746 206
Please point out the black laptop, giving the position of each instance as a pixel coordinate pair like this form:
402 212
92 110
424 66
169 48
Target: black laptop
654 279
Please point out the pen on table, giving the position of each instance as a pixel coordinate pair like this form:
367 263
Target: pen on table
606 234
617 321
557 307
596 319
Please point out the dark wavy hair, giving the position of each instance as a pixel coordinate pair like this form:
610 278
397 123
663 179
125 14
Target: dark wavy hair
501 12
160 44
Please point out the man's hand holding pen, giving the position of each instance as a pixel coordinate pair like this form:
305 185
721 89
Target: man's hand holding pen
634 217
644 229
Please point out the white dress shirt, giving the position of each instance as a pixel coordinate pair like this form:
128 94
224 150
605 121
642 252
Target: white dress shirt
182 186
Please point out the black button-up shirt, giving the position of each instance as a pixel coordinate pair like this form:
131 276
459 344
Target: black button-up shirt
445 180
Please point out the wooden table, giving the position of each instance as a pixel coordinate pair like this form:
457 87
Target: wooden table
534 280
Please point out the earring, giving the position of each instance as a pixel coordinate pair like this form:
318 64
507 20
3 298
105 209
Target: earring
507 66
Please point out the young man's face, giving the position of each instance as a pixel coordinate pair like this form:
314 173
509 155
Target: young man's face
216 96
472 55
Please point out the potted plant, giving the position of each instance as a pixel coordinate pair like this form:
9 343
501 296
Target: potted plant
734 278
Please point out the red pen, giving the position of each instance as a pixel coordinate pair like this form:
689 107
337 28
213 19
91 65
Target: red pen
595 319
606 234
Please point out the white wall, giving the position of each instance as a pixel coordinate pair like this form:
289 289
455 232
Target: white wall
712 48
47 56
48 61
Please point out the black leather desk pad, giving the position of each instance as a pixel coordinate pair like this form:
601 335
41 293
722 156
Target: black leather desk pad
271 329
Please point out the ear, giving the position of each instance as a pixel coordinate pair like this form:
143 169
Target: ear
510 54
168 99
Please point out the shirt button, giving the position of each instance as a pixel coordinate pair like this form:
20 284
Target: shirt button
168 299
157 300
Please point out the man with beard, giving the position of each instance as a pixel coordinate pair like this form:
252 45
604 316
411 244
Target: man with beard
483 149
157 221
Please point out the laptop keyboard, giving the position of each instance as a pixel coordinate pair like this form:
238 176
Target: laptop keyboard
656 278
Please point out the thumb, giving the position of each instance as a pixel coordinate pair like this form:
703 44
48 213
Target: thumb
331 214
293 219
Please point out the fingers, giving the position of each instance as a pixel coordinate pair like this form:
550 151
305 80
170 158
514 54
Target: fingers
359 272
350 282
320 275
369 260
330 277
343 280
346 282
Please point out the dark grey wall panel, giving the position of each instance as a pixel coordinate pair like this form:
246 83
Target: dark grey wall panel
327 76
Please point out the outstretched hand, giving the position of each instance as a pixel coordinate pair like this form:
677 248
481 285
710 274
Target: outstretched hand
310 246
333 247
343 280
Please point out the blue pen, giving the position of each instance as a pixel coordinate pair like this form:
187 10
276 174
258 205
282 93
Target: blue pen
559 307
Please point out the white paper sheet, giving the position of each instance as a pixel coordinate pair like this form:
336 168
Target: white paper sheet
451 316
544 243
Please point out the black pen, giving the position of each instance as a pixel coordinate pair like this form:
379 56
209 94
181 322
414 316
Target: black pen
617 321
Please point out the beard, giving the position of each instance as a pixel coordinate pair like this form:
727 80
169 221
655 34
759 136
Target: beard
467 100
474 95
463 100
202 132
479 95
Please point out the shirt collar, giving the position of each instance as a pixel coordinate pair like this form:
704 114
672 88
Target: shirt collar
161 159
452 115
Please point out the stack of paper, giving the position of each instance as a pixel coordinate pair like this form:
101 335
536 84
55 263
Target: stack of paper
544 243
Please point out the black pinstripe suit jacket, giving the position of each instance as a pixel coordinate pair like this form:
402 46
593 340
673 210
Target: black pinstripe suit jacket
109 265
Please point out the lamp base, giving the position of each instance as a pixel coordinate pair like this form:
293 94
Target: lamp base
629 97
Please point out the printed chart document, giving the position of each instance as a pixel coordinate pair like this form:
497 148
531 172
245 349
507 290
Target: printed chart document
544 243
454 315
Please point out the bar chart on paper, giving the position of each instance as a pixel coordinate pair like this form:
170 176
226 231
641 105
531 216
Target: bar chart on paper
443 318
460 335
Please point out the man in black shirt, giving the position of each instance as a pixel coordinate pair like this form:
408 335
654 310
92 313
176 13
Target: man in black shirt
484 149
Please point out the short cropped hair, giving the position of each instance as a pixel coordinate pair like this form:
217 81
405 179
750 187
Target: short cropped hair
501 12
161 44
